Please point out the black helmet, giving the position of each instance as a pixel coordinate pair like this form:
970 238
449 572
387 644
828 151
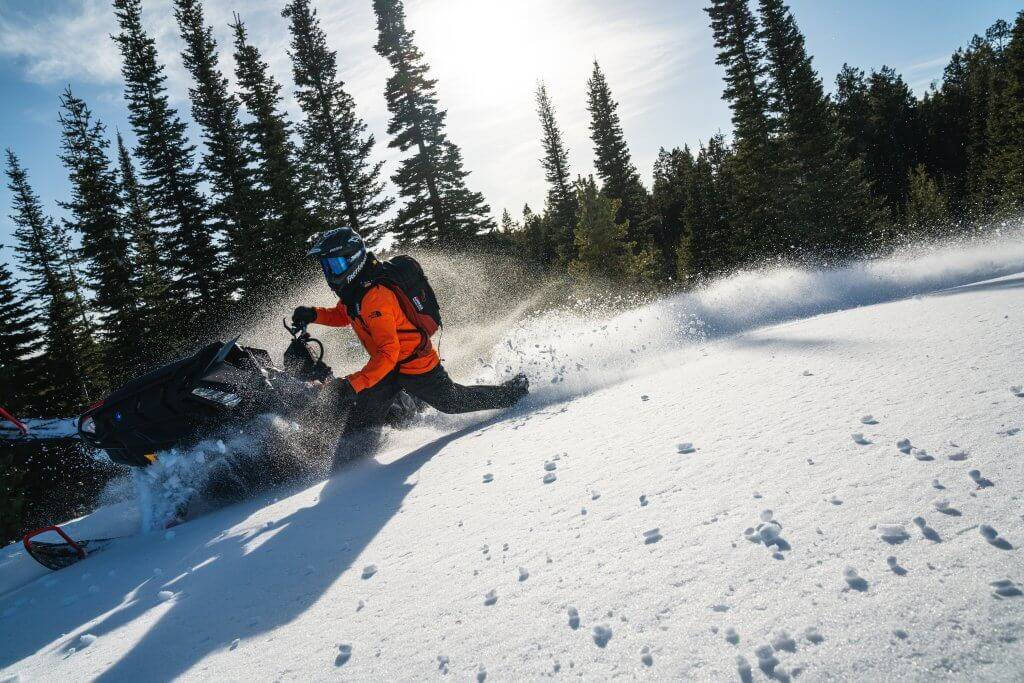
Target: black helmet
342 254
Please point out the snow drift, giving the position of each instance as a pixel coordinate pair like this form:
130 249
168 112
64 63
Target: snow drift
593 344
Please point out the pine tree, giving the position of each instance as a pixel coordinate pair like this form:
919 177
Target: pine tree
335 146
707 222
561 205
171 183
151 278
538 248
927 213
19 380
603 248
755 167
741 54
944 119
439 208
508 226
880 120
94 213
291 223
673 172
897 129
964 122
72 372
853 109
982 62
236 207
829 208
613 162
1005 163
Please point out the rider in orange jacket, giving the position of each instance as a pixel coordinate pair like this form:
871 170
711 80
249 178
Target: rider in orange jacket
401 355
386 334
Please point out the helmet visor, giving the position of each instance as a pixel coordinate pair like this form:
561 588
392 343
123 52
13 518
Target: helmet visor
336 266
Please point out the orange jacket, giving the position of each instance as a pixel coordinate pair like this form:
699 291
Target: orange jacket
386 334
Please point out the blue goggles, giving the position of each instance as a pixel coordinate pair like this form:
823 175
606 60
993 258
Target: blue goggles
335 266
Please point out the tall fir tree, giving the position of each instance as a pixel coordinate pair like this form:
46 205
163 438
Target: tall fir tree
1004 167
690 194
853 108
336 148
290 221
94 214
879 118
562 204
613 162
151 278
439 208
707 216
171 183
981 74
829 208
236 206
72 370
735 32
19 368
758 208
673 171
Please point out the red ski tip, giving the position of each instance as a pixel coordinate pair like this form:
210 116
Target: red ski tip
14 421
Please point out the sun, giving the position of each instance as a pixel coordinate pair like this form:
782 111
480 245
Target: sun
487 47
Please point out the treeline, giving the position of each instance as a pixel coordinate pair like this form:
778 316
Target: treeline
806 176
174 237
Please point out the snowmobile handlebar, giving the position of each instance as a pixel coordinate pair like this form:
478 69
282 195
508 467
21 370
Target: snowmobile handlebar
301 334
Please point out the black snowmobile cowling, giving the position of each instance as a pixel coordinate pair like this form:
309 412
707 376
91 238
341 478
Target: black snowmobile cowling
222 383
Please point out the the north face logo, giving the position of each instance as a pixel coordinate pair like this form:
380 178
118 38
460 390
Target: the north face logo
375 314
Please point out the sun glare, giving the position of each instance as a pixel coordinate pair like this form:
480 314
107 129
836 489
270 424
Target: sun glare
492 44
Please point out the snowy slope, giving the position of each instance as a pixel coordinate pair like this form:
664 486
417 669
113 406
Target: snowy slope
640 556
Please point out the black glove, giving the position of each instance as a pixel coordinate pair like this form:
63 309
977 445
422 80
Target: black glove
346 392
303 316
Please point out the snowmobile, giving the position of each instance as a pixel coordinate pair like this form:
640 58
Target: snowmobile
219 386
222 385
186 401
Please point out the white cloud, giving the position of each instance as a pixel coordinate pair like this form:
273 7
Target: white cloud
933 64
58 46
926 72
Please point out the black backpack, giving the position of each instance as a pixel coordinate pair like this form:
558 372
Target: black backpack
404 276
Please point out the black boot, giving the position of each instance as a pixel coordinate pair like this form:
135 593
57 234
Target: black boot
518 386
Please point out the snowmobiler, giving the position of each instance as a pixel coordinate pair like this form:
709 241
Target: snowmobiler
393 311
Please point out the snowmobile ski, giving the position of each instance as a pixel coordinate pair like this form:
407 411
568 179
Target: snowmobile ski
56 556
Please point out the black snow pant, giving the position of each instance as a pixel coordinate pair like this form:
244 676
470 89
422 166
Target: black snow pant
361 435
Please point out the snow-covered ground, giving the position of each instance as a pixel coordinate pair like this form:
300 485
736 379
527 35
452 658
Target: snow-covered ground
789 474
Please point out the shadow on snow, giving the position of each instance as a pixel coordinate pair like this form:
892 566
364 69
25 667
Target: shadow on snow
242 594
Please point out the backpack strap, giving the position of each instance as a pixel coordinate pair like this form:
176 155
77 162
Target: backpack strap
410 314
354 309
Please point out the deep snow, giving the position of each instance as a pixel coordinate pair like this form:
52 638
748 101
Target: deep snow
789 473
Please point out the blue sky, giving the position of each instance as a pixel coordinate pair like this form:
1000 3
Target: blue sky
487 55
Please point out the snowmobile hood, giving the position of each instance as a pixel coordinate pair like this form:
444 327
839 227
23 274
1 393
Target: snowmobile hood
169 404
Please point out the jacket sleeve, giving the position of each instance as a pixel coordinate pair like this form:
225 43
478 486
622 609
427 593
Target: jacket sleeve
333 317
379 315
